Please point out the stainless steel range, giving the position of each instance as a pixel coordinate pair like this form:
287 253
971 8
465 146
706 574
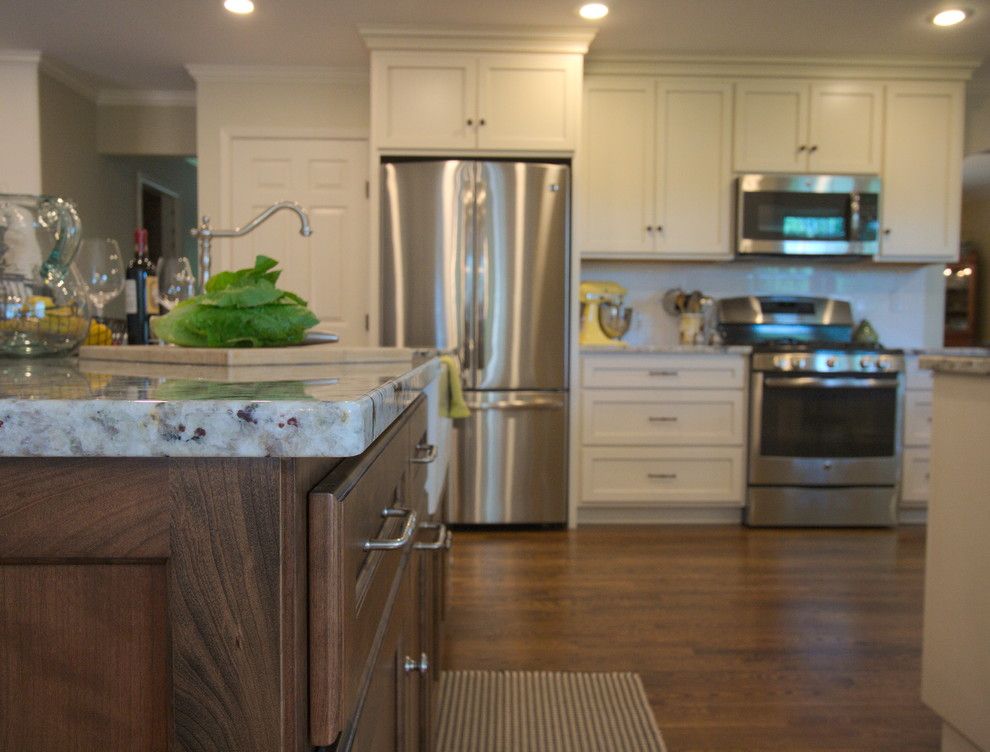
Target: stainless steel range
825 414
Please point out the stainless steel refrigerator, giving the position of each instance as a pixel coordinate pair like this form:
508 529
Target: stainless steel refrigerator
474 260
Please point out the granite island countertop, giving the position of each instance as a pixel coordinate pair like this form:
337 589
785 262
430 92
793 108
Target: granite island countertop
974 362
72 408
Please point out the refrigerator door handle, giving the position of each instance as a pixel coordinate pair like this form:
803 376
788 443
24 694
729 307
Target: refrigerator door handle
519 405
479 337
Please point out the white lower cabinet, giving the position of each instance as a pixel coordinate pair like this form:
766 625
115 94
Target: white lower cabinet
917 437
663 432
678 475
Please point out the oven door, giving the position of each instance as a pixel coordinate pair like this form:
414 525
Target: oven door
828 215
810 430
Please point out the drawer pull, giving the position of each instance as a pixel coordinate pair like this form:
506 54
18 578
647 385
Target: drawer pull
391 544
426 459
443 541
664 373
422 665
662 476
663 419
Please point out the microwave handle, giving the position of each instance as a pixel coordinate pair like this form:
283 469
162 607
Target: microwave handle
855 216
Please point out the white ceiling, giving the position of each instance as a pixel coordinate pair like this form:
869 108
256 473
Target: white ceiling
144 44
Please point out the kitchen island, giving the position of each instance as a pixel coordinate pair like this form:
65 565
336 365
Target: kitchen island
219 559
956 650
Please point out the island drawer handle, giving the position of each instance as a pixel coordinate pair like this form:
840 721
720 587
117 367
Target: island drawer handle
391 544
662 476
664 373
443 541
430 456
663 418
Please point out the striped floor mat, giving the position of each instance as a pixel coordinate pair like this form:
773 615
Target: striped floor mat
539 711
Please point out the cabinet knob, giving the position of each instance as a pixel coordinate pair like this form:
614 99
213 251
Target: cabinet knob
422 666
813 149
481 122
649 228
659 228
470 121
802 147
886 231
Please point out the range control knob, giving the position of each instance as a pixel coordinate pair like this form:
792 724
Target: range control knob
830 362
801 363
865 363
883 364
781 363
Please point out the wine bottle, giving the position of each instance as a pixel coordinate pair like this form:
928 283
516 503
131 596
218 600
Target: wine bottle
139 291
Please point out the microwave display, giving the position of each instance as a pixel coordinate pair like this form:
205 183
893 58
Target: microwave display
825 215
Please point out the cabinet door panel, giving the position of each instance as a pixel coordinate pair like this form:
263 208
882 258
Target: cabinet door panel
915 475
649 475
771 126
675 417
528 101
425 101
694 171
922 184
845 127
615 172
917 418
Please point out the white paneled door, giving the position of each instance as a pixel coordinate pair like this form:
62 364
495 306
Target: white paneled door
328 177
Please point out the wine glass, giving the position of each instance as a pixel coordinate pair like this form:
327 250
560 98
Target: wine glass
101 269
176 281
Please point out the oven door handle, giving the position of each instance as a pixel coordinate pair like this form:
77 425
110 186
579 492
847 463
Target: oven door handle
812 382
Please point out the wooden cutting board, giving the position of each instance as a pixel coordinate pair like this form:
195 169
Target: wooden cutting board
315 354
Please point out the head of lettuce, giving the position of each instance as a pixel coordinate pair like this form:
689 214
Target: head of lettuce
238 309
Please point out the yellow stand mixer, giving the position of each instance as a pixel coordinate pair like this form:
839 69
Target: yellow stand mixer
603 317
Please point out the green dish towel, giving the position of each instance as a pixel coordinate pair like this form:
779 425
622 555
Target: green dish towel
454 405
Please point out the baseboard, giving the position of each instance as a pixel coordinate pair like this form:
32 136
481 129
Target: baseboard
912 516
618 515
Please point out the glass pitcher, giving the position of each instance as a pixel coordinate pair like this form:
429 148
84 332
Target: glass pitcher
43 305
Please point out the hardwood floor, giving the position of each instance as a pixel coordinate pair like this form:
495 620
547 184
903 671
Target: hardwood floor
755 640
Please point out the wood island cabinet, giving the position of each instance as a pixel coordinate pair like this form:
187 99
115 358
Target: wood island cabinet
221 603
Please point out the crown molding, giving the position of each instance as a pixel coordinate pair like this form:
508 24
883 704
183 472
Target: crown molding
276 73
495 39
68 76
846 66
145 98
27 57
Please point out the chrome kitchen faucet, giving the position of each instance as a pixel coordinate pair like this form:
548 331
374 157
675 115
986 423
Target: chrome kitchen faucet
204 234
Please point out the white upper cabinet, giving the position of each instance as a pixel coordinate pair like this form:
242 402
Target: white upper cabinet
654 178
845 127
453 100
796 126
426 100
693 169
614 191
528 101
771 126
922 180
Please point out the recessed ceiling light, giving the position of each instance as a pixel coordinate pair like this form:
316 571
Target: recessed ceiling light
950 17
593 11
240 7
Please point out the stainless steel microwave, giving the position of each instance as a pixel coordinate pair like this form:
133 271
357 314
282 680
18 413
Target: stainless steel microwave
808 215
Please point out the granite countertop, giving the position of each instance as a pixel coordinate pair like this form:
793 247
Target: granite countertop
975 362
82 408
671 349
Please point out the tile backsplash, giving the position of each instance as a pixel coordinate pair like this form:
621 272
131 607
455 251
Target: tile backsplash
904 303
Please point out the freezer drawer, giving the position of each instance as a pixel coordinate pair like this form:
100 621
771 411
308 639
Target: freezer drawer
511 460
